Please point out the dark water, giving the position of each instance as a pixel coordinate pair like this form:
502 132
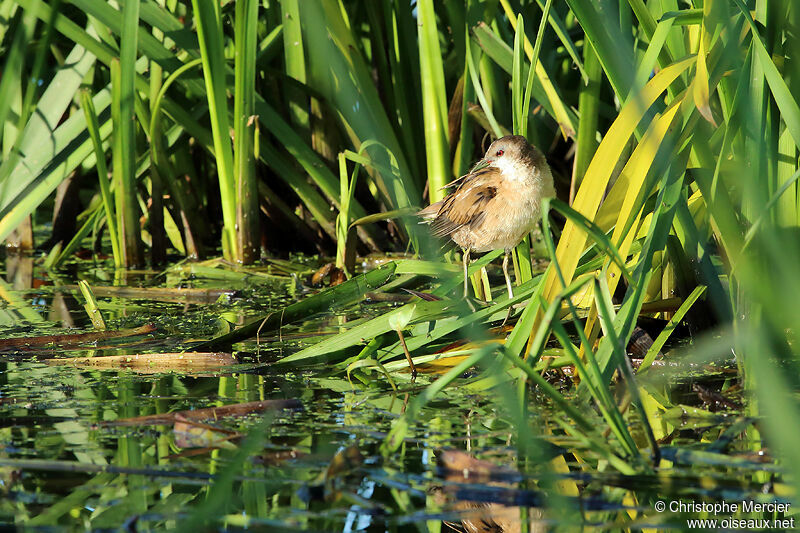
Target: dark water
315 464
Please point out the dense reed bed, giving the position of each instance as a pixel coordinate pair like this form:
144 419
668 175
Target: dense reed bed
164 129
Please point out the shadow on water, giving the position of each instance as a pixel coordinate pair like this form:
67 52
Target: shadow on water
153 438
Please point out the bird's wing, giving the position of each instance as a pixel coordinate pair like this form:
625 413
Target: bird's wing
466 205
476 169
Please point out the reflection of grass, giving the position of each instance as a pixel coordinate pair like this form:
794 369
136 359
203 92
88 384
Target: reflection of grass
220 498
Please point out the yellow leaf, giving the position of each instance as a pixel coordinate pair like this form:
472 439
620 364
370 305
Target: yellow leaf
617 209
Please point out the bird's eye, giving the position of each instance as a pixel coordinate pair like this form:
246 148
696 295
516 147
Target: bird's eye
499 153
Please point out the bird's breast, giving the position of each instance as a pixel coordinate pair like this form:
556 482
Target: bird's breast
510 215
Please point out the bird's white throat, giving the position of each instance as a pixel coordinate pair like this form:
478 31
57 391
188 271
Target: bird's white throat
514 170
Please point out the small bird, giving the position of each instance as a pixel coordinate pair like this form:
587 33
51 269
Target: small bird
496 204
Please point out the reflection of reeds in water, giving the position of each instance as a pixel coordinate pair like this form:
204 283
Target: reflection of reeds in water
483 516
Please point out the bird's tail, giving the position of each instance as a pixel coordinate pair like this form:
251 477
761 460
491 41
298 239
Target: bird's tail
429 213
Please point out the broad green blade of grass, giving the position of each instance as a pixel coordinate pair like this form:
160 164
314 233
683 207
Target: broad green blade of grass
426 268
124 137
324 350
211 37
37 146
123 152
386 215
434 104
649 60
248 227
93 127
516 79
90 304
785 198
295 61
589 111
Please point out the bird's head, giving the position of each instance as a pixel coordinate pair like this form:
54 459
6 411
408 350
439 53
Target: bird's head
508 148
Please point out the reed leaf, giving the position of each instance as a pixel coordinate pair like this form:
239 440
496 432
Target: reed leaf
210 36
93 127
434 104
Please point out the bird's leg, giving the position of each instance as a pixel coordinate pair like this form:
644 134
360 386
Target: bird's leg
466 265
505 272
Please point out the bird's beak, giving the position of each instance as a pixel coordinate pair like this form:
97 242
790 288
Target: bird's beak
483 163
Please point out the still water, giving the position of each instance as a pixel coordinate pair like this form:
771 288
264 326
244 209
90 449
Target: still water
121 442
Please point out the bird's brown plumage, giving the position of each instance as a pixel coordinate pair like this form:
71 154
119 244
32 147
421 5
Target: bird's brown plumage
467 205
498 202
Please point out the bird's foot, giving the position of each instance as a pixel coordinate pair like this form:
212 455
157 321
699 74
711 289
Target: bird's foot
474 304
508 315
